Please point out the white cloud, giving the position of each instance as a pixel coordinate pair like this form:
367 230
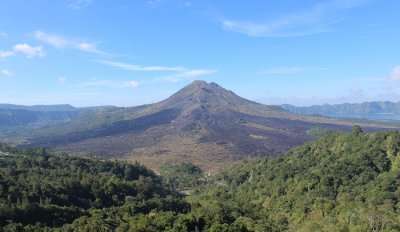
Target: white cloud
141 68
395 75
29 51
282 71
62 80
6 73
158 3
196 73
179 73
110 84
5 54
79 4
132 84
59 41
288 70
153 2
24 49
53 40
89 47
188 75
317 19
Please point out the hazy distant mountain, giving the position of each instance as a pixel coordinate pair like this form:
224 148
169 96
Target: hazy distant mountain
202 123
17 121
34 116
41 108
367 110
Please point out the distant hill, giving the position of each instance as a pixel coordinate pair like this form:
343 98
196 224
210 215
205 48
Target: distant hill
19 119
386 111
40 108
203 123
12 116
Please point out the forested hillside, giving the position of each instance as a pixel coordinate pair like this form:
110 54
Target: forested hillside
342 182
40 191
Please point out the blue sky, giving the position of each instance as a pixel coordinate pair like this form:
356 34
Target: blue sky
131 52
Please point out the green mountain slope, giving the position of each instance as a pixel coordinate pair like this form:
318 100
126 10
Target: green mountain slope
343 182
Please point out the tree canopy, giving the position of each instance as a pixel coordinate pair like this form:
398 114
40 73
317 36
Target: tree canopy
342 182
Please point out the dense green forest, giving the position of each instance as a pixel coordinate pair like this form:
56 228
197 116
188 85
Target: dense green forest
40 191
182 177
342 182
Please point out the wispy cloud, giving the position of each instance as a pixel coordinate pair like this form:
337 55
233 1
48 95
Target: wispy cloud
78 4
153 2
288 70
61 80
141 68
6 73
5 54
282 71
110 84
132 84
51 39
3 35
194 73
158 3
59 41
29 51
395 74
90 47
179 73
24 49
316 19
188 75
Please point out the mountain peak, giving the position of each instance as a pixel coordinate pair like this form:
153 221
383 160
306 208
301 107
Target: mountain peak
198 84
202 92
212 97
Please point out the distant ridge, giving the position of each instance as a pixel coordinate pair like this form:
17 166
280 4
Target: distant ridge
383 110
64 107
202 123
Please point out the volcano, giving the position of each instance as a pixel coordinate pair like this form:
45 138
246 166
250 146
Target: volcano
202 123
